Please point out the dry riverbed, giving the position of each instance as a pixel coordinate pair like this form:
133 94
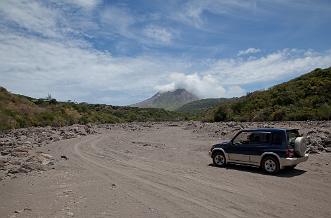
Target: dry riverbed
154 170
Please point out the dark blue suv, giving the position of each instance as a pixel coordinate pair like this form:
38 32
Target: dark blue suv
271 149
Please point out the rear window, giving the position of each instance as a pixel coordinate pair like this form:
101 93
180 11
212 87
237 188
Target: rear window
291 136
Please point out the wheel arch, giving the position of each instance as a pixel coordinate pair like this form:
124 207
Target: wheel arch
272 154
215 150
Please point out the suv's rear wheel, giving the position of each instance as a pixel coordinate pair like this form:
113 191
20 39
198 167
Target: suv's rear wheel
270 165
219 159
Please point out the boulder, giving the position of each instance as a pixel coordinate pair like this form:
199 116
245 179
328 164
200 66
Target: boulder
3 161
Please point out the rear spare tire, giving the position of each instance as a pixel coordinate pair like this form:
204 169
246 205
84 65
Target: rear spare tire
300 146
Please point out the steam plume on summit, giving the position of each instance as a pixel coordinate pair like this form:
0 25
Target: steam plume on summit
202 86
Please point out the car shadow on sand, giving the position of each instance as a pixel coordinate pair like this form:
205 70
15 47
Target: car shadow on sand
282 173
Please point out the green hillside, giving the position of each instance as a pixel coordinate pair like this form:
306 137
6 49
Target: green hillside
200 106
18 111
307 97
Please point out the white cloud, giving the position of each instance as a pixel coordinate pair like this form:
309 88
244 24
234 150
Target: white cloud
226 77
36 67
88 4
235 91
51 19
54 20
159 34
31 15
203 86
249 51
166 88
274 66
192 12
67 70
117 20
120 21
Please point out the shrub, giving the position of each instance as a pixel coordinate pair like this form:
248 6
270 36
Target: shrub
220 115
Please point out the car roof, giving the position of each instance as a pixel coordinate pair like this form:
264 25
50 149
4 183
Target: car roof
269 129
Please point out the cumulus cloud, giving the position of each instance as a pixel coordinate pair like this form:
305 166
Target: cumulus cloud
166 88
227 77
248 51
203 86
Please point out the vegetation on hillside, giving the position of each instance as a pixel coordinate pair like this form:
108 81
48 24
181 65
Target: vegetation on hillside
17 111
200 106
307 97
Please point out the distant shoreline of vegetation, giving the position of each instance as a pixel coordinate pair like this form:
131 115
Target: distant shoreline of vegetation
307 97
17 111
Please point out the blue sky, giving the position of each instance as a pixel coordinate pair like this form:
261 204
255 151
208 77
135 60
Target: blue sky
122 52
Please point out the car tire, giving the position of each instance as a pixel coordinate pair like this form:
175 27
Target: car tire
270 165
219 159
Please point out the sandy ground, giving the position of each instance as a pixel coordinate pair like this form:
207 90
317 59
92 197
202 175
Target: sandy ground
161 171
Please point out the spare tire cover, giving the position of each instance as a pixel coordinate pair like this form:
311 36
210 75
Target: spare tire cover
300 147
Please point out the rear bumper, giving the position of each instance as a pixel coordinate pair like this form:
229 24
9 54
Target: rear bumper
284 162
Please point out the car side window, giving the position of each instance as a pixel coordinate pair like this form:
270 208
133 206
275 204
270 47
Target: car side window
260 138
250 138
242 139
277 138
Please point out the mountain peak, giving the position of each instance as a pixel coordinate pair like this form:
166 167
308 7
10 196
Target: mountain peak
170 100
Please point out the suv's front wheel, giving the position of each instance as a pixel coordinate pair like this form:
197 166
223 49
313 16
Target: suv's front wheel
270 165
219 159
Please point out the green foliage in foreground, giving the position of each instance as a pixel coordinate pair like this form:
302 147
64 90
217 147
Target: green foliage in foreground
305 98
17 111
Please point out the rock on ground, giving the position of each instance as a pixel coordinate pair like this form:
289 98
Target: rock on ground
19 147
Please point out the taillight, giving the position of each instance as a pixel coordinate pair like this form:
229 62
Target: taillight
289 152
